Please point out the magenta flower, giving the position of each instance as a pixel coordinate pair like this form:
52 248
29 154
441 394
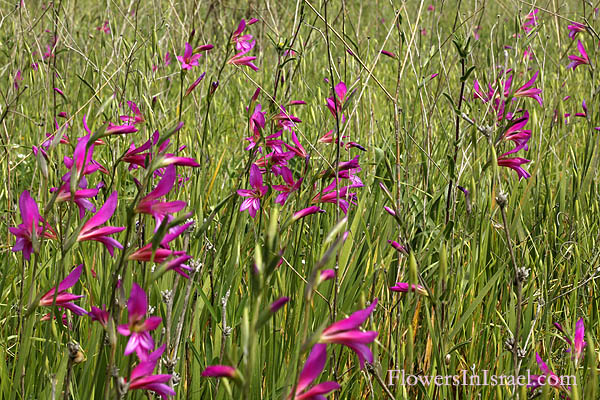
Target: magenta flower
32 224
64 299
193 85
312 369
162 253
517 134
252 203
18 78
531 20
159 209
578 343
515 164
527 91
404 287
136 156
285 120
243 43
92 231
326 275
388 53
166 159
242 59
576 60
335 105
584 113
138 327
167 59
220 371
277 304
113 129
575 28
80 198
306 212
549 376
141 376
297 149
345 332
138 118
100 315
332 195
398 246
478 92
288 188
188 60
177 265
82 161
104 28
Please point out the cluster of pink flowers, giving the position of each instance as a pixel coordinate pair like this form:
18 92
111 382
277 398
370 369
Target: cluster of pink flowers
502 97
276 154
243 44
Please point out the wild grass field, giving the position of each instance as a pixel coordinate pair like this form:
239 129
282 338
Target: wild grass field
299 199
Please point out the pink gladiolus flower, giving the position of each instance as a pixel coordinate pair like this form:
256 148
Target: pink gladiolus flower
92 231
389 211
63 298
478 93
335 104
18 78
550 376
331 195
515 164
138 327
80 198
398 247
326 275
163 254
297 149
306 212
141 376
32 224
288 188
64 320
517 134
406 287
531 20
104 28
159 209
312 369
243 43
188 60
277 304
100 315
285 120
578 343
167 59
113 129
388 53
527 91
252 203
575 28
135 156
430 8
584 113
193 85
345 332
220 371
138 118
576 60
241 59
